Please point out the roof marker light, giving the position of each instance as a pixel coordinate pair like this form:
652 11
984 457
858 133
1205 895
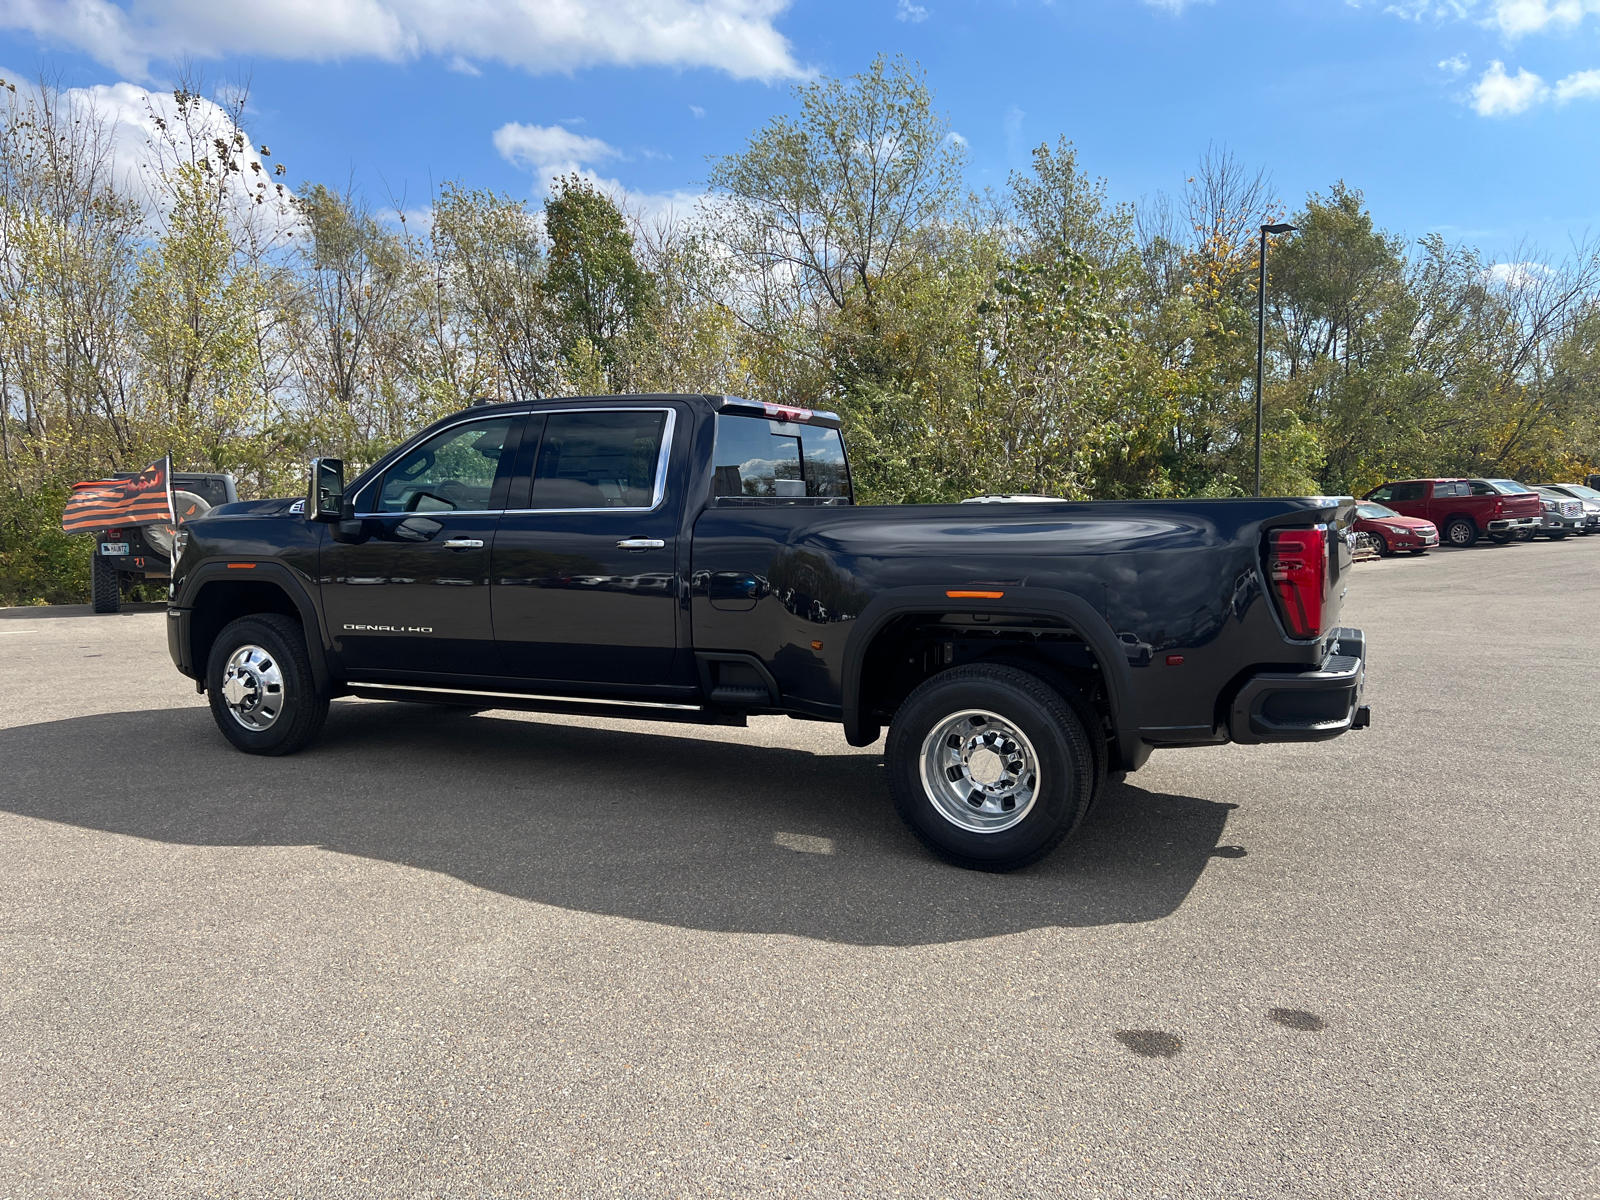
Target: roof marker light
975 595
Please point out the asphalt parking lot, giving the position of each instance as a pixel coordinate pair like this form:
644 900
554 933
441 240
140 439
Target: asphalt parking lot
507 955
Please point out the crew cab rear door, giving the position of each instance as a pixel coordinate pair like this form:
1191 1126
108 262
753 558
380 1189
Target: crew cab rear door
585 577
1408 499
411 595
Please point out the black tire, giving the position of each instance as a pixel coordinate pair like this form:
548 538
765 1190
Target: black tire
1524 535
1002 701
1557 535
284 663
1381 545
1461 532
1499 539
105 586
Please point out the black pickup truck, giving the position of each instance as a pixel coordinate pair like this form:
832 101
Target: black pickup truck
701 559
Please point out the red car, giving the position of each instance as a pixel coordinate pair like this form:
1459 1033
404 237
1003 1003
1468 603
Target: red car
1392 532
1463 510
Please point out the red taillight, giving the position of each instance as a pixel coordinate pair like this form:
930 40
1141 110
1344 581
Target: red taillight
113 535
1297 565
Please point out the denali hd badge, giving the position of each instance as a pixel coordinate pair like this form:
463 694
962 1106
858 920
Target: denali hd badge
390 628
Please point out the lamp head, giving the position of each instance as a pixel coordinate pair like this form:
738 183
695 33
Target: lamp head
1280 228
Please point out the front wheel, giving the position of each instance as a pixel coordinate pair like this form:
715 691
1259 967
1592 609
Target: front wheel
1556 535
989 767
263 695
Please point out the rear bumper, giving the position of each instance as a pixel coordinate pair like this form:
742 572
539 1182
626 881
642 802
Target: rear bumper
1511 524
1305 706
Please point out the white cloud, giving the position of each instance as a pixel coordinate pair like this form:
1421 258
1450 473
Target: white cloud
549 150
1499 95
904 10
1517 275
1456 65
1583 85
1174 6
1517 17
736 36
697 111
146 135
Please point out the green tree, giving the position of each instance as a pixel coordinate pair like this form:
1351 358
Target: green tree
601 294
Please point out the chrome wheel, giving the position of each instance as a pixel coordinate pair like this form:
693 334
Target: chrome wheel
252 687
980 771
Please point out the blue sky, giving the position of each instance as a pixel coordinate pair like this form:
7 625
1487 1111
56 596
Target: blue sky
1475 118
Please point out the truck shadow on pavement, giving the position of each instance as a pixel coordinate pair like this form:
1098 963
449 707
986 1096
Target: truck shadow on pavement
678 830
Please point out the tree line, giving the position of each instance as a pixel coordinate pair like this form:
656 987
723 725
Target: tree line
1036 338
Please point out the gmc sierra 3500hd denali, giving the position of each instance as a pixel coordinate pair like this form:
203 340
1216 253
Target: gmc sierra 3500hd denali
700 559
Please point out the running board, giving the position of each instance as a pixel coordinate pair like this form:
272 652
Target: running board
633 710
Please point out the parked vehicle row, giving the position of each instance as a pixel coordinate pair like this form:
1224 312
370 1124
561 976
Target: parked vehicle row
1406 514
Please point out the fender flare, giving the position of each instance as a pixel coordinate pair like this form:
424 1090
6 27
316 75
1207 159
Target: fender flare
285 579
1025 601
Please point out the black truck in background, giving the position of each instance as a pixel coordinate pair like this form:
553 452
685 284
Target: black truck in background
701 559
123 555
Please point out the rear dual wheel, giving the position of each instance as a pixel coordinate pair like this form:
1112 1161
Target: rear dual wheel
990 767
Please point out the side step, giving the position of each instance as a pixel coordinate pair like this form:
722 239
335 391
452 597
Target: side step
632 710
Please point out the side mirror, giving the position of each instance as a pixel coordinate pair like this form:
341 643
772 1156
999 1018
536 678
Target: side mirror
325 500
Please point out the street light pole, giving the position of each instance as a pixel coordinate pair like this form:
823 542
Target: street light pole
1261 334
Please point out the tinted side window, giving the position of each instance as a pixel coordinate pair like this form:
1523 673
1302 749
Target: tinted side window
1483 489
1450 489
451 471
1383 493
599 460
755 457
1407 491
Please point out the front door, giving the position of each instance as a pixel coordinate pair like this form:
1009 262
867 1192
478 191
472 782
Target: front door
585 574
411 596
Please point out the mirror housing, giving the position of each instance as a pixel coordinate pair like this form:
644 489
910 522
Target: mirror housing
325 495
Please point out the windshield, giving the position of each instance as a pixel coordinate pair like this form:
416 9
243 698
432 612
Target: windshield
1375 512
1577 489
1509 487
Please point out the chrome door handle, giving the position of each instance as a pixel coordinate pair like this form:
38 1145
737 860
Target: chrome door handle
640 544
464 544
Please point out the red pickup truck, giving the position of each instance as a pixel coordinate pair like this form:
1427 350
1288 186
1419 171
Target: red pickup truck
1466 509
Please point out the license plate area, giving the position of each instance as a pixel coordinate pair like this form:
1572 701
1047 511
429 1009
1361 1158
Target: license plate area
114 549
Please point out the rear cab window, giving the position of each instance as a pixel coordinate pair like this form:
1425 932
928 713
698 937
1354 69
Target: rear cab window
760 460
